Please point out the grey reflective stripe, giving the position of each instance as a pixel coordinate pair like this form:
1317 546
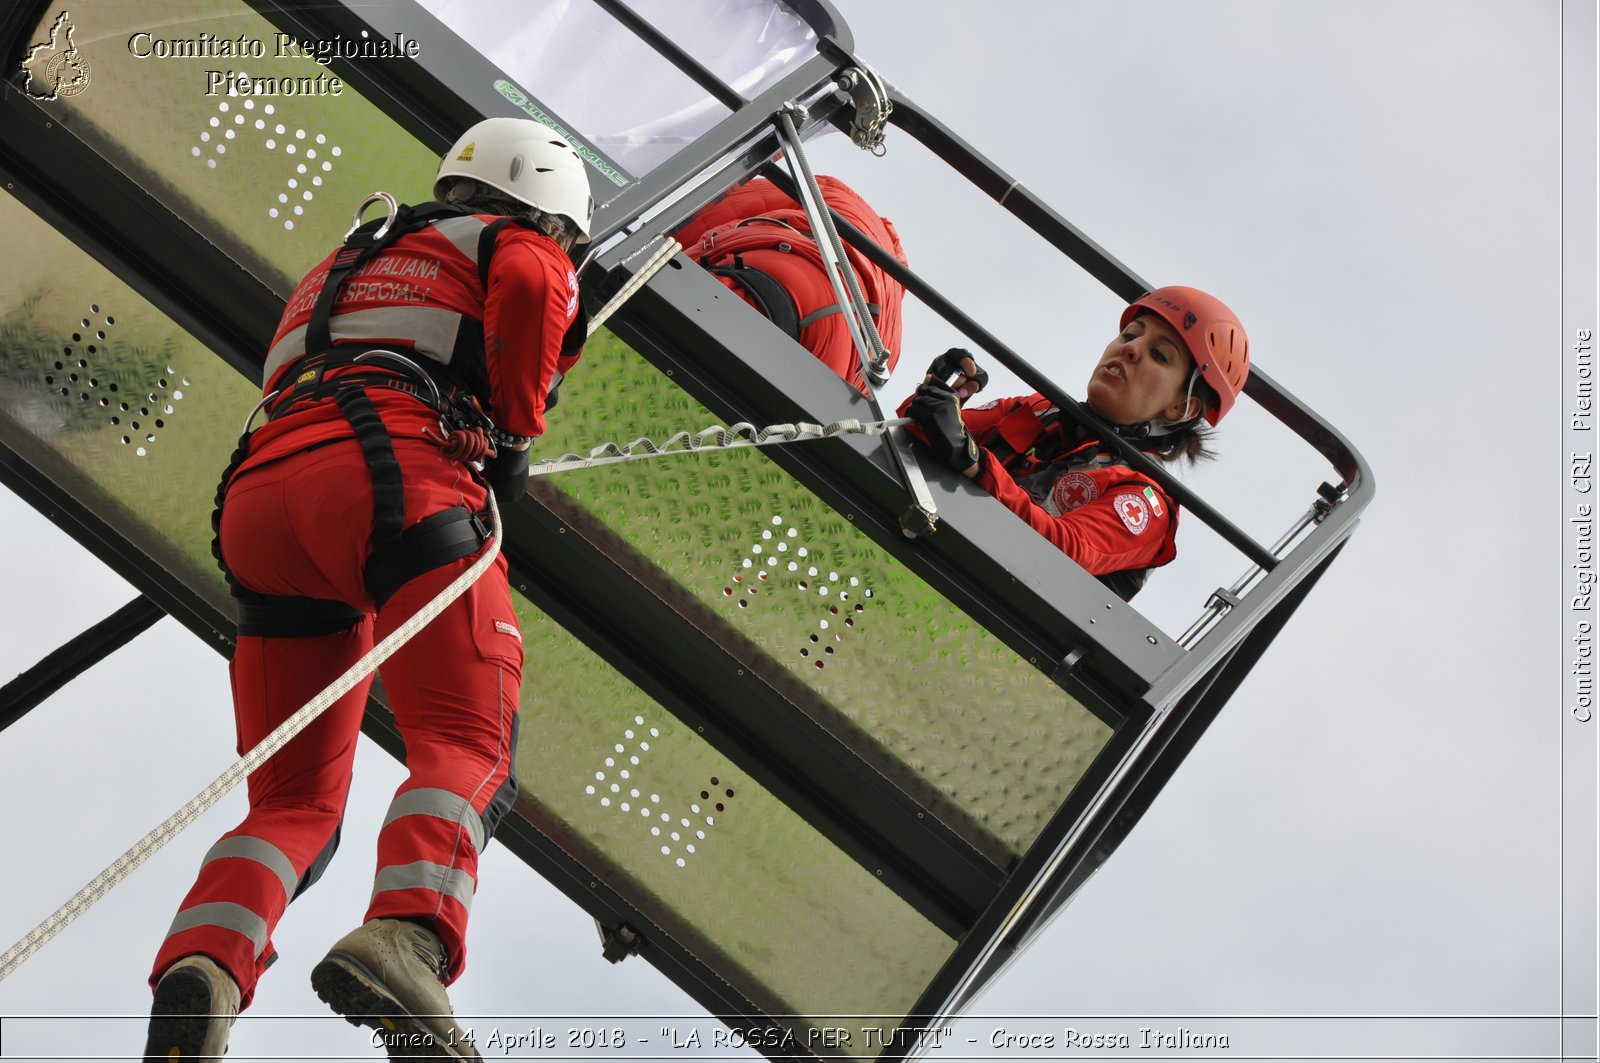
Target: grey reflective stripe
442 804
431 329
292 346
228 916
464 233
244 847
834 308
422 875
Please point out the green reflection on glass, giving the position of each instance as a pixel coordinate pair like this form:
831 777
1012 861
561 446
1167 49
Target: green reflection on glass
269 178
936 701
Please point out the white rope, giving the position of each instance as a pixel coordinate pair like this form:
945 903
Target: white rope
651 267
151 843
716 437
120 868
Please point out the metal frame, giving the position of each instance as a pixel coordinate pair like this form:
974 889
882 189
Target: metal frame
1158 696
64 664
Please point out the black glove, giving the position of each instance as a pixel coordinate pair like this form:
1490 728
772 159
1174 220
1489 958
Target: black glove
507 473
934 408
959 360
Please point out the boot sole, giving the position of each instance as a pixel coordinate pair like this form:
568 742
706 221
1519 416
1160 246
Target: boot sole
345 985
180 1018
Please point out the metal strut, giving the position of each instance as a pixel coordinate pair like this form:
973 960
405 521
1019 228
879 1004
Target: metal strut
922 518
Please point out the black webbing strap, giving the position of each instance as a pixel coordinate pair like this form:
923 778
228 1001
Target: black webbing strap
388 490
312 384
770 297
426 545
287 616
271 615
486 242
358 248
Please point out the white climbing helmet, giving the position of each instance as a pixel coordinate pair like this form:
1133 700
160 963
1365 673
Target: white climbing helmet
526 160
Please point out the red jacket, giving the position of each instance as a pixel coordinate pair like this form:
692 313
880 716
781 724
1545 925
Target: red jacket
423 296
768 231
1102 514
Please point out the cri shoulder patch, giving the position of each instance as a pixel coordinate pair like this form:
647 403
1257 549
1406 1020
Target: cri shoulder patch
1134 511
505 627
1073 489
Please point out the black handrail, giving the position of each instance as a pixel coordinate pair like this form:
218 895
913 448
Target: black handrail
669 50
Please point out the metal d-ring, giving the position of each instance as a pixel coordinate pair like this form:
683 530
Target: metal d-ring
377 197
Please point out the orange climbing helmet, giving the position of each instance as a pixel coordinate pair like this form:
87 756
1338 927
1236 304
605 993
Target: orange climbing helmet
1215 339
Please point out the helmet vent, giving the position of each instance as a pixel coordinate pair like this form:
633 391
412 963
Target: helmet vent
516 167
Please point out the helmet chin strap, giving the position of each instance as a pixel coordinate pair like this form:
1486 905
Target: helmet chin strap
1158 427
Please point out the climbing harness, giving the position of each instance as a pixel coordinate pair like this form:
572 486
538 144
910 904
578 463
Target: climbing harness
346 374
922 517
168 829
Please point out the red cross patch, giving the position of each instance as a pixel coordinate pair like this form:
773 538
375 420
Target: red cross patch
1134 511
1073 490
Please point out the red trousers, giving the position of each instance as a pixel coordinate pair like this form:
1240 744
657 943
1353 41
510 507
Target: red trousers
301 526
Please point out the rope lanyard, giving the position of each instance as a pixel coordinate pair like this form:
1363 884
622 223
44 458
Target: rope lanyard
742 434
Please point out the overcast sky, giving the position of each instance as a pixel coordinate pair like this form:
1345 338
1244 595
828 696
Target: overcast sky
1370 828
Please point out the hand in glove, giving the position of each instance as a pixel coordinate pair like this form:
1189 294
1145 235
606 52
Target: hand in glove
958 360
507 473
935 410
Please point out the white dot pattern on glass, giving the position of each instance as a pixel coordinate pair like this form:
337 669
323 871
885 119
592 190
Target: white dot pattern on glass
83 373
276 136
840 613
675 834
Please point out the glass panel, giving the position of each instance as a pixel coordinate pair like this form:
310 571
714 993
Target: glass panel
627 99
266 156
931 698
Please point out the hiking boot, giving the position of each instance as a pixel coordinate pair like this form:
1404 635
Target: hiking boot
386 975
196 1002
